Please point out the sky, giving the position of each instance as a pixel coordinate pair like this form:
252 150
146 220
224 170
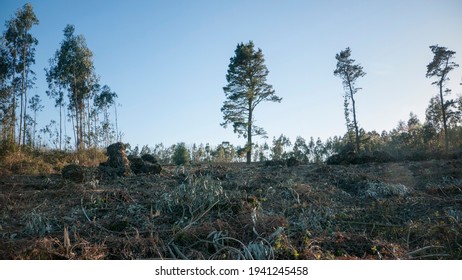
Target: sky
167 61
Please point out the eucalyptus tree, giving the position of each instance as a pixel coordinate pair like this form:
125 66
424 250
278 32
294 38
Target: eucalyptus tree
246 88
56 92
35 104
9 82
349 72
280 145
300 150
5 100
439 68
26 19
72 70
18 54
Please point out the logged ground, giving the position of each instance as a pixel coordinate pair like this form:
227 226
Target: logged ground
408 210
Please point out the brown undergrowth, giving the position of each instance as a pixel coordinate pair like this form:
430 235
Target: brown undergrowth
238 211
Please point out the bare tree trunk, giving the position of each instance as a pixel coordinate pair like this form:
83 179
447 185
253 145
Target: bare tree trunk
445 125
88 118
76 106
23 80
81 127
34 128
74 129
95 129
25 108
116 123
355 123
60 126
13 109
249 135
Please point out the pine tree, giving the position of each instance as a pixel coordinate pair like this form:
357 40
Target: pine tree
349 73
181 154
246 89
440 67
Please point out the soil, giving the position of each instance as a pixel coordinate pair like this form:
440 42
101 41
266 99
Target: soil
399 210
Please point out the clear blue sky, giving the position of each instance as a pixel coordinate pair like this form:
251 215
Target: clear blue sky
167 60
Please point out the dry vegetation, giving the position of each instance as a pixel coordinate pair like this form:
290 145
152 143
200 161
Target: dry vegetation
409 210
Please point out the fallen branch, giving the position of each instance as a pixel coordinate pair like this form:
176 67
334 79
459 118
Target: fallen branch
424 249
175 248
432 256
370 224
115 232
193 221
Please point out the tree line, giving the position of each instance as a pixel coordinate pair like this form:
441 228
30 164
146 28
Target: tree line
72 83
411 139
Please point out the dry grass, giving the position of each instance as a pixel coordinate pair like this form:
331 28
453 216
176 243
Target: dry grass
236 211
32 162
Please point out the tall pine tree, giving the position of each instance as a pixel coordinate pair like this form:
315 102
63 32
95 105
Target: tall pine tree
349 72
439 68
246 89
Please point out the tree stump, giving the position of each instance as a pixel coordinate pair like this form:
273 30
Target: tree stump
73 172
147 164
118 163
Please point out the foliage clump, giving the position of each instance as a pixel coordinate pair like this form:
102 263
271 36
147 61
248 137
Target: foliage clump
380 190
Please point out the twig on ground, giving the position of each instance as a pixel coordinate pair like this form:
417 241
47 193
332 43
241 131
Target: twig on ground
432 256
175 248
424 249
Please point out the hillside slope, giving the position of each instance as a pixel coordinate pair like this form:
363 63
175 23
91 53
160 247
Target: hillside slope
408 210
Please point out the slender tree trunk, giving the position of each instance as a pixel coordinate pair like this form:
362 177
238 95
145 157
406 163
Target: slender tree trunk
74 129
116 124
443 111
81 126
249 135
60 126
355 123
87 119
22 116
78 122
13 109
347 119
95 129
76 125
25 106
21 112
106 126
34 128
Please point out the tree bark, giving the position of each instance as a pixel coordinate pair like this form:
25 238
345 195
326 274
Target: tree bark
249 135
445 125
25 106
353 104
13 111
116 124
23 81
355 123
